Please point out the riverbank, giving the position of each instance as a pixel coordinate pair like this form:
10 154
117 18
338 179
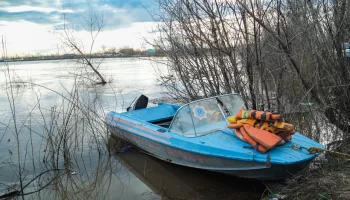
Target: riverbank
327 178
50 58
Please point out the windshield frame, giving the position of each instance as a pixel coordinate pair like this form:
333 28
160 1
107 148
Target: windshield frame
221 108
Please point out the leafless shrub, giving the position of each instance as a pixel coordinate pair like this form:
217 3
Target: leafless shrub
283 56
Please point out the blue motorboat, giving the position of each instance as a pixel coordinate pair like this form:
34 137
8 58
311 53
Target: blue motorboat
196 135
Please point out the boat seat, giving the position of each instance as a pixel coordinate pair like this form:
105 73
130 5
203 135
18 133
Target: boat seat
154 114
139 102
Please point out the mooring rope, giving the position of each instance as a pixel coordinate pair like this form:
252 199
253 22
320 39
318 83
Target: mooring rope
314 150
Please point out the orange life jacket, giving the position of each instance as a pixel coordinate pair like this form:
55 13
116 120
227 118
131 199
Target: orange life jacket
256 114
261 134
243 135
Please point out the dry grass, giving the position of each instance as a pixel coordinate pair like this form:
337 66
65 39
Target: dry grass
331 180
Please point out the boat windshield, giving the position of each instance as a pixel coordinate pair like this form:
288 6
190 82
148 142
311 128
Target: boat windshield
205 116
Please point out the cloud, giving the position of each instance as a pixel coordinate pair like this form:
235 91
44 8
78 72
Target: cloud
26 8
28 25
30 16
25 37
42 39
116 13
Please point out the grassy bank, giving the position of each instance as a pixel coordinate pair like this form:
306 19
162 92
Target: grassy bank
327 178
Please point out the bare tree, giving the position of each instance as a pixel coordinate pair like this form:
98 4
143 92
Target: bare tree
94 23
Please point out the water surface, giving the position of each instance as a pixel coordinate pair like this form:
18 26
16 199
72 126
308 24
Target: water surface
45 126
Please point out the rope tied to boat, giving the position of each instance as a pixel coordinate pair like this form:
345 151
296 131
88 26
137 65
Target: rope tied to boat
314 150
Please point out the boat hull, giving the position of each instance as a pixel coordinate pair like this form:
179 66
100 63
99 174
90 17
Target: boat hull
239 168
275 172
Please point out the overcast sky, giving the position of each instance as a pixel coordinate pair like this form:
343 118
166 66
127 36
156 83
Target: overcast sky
28 25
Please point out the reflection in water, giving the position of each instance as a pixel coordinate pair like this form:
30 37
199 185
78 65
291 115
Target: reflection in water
90 179
93 176
171 181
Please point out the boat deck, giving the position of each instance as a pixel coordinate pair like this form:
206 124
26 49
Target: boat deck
154 114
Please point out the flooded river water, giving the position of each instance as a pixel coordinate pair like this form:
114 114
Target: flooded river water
53 144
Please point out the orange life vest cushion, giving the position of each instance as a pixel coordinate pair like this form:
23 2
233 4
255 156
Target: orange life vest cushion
232 119
283 126
255 114
234 126
243 135
263 130
266 139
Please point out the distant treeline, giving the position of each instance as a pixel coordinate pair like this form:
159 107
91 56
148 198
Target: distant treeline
123 53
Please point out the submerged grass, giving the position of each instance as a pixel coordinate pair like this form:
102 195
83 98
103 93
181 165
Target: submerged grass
57 149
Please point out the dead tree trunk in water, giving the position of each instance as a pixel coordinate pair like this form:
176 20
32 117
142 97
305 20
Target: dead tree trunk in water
95 25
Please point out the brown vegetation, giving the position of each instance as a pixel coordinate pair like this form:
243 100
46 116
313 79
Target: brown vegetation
330 180
277 54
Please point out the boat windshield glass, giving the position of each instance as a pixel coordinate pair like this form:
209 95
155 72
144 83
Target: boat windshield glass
233 103
205 116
